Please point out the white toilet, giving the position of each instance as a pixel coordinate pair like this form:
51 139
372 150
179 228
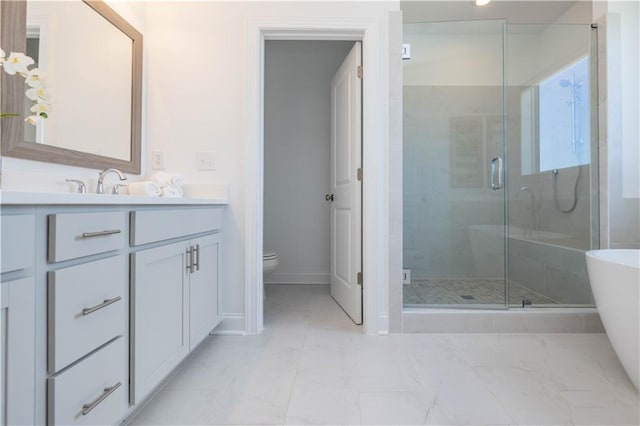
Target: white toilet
269 264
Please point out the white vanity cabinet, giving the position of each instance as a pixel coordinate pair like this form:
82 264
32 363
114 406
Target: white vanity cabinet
101 299
174 290
17 320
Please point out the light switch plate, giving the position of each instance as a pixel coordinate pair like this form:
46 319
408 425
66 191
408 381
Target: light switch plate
158 160
206 160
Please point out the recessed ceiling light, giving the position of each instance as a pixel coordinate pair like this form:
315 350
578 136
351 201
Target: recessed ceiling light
482 2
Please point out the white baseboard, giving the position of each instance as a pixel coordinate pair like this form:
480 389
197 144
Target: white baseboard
383 324
231 324
297 278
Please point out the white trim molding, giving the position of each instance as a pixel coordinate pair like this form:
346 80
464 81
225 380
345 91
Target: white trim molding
373 32
231 324
302 278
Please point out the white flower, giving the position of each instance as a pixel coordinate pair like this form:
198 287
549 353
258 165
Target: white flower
40 109
35 78
37 93
17 63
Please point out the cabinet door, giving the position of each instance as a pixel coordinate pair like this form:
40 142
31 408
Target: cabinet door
18 352
204 312
159 317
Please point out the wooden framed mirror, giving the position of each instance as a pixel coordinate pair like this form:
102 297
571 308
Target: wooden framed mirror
93 60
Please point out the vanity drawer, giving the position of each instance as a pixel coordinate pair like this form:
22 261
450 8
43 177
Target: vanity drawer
86 308
151 226
18 242
92 392
73 235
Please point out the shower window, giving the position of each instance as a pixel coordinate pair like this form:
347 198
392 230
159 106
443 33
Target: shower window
556 120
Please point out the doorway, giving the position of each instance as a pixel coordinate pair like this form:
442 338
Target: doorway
312 196
375 159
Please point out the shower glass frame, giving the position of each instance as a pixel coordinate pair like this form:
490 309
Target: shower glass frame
592 184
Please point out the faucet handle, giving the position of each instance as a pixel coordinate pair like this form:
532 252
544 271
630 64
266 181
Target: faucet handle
117 187
82 188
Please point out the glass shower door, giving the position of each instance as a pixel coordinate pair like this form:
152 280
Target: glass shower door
454 164
553 167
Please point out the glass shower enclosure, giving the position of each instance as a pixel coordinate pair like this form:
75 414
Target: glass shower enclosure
500 164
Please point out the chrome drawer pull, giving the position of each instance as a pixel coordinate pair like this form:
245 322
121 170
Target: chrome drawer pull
190 260
86 408
197 261
107 302
100 233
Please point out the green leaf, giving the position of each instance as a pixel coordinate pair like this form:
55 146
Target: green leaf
44 115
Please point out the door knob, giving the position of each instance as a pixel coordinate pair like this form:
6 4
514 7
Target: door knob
328 197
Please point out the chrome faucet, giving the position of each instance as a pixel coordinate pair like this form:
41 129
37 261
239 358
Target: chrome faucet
529 229
103 174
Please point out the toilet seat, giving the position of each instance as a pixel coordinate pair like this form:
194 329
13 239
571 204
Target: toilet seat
269 256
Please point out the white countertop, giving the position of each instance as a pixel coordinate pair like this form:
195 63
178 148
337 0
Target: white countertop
33 198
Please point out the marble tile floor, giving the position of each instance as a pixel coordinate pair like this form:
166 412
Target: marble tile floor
466 291
312 365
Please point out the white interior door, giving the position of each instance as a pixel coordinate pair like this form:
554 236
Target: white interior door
346 187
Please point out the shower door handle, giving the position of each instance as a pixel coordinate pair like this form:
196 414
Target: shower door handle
495 186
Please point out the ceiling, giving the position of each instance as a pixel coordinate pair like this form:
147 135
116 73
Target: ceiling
514 11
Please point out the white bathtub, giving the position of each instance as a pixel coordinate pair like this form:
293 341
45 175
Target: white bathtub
615 282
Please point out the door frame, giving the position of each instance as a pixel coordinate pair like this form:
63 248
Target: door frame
375 161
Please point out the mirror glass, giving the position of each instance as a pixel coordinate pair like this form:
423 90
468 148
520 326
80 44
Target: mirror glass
88 63
92 58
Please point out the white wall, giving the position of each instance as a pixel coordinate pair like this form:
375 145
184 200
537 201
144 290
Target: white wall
296 156
619 132
197 101
629 13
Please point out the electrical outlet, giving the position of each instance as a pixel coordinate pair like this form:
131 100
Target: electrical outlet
206 160
158 160
406 276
